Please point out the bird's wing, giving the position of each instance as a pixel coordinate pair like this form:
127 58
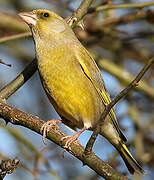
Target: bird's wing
92 72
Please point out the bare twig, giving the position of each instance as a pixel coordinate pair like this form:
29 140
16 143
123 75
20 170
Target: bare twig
126 18
82 9
14 85
79 13
14 37
125 77
120 6
133 84
2 62
8 167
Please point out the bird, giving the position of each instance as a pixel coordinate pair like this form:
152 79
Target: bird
73 82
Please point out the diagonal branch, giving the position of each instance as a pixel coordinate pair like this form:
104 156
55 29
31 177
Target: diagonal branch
125 77
14 85
133 84
82 9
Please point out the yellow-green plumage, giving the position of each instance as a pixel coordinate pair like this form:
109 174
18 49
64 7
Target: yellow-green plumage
68 86
72 80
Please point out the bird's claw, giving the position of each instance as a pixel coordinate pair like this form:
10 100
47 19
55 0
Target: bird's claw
46 127
69 141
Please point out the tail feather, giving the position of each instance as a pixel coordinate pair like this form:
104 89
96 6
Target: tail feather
111 134
130 162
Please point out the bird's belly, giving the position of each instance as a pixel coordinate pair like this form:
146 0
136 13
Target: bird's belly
72 95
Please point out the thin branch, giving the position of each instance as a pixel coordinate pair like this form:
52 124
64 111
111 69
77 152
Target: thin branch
2 62
14 37
125 77
121 6
82 9
8 167
14 85
133 84
18 117
127 18
79 13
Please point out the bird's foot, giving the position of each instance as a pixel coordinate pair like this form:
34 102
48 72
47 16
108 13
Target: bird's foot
46 127
71 139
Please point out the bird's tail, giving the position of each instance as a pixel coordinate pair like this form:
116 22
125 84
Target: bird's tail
130 162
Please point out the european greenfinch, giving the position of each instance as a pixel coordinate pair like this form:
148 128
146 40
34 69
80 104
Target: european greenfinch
73 82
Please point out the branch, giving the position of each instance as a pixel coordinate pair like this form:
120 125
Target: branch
133 84
120 6
18 117
125 77
8 167
14 85
128 18
2 62
82 9
14 37
79 13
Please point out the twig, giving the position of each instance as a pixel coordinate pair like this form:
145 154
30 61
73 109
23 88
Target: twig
133 84
126 18
18 117
14 37
120 6
14 85
125 77
79 13
2 62
82 9
8 167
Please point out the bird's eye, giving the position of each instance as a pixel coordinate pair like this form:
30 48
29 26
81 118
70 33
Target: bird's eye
46 15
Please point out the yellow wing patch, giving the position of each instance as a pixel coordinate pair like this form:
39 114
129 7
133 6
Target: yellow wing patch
102 94
104 98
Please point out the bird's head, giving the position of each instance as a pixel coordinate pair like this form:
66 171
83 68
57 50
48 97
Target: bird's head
44 22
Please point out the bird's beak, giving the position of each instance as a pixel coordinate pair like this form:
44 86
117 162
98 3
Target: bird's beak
29 17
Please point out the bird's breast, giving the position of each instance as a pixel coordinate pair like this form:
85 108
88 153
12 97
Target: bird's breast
74 96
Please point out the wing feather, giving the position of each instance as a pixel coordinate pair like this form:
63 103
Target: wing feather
92 72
